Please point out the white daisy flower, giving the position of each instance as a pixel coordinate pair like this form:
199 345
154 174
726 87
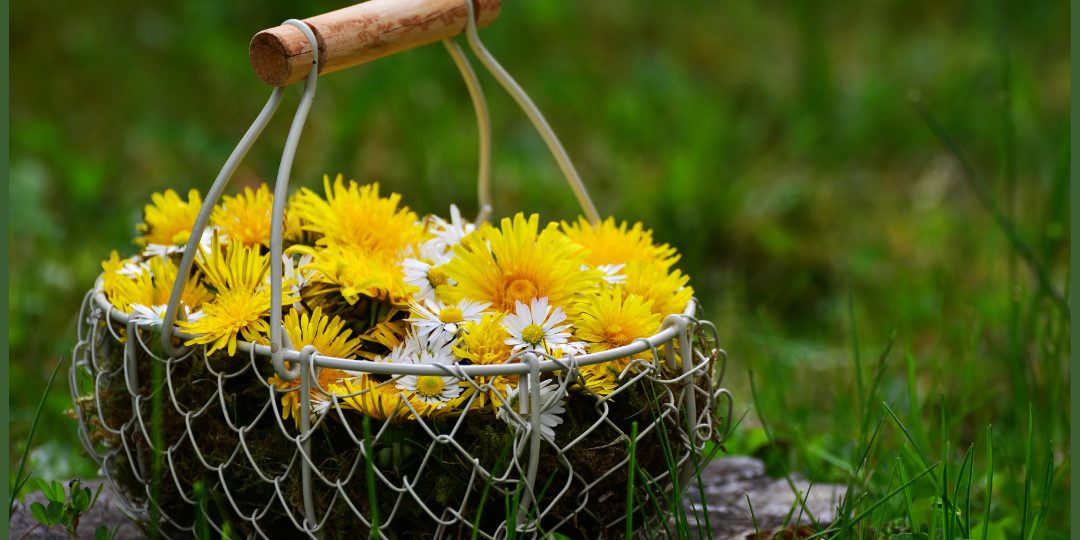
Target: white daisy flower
148 315
433 318
161 250
612 270
450 234
576 348
302 277
404 352
533 329
431 389
156 314
293 278
551 407
319 405
425 275
133 267
409 350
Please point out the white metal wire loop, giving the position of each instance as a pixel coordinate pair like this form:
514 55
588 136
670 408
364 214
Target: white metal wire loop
678 363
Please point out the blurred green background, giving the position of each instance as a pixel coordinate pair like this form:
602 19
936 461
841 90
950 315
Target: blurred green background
774 143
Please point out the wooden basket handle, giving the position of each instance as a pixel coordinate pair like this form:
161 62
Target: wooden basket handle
361 33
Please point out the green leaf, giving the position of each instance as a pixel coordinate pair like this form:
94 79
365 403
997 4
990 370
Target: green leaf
47 490
58 492
96 493
82 501
38 511
54 512
101 533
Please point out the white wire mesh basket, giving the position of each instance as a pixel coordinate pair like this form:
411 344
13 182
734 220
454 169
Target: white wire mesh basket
471 474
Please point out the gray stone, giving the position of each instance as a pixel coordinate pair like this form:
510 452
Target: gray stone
728 481
104 512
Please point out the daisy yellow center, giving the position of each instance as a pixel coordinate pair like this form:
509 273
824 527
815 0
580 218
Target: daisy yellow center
437 277
532 334
521 290
451 314
430 386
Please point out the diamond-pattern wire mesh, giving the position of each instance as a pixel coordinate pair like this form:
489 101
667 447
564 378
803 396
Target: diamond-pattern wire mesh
106 373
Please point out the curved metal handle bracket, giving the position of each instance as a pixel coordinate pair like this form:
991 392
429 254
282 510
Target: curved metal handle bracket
281 192
534 115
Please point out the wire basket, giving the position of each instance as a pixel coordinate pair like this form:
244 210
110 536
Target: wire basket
413 477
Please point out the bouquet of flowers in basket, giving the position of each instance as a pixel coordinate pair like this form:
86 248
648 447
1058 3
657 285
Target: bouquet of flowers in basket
367 278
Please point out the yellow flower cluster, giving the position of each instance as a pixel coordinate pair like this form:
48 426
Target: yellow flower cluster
366 277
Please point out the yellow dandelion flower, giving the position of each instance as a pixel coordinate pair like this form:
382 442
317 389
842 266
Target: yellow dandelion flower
611 319
164 273
598 378
379 402
329 380
358 272
151 285
484 343
356 216
169 220
294 232
243 298
520 265
329 337
234 311
651 281
118 288
387 333
241 267
609 243
245 218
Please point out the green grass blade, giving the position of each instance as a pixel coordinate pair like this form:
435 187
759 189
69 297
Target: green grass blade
19 480
768 435
891 495
157 411
487 486
753 518
910 439
946 521
967 500
1047 481
881 515
907 495
813 480
1027 475
956 490
697 474
701 493
883 363
989 478
649 481
672 466
630 481
370 466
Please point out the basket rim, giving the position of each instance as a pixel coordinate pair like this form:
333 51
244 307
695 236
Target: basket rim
669 330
